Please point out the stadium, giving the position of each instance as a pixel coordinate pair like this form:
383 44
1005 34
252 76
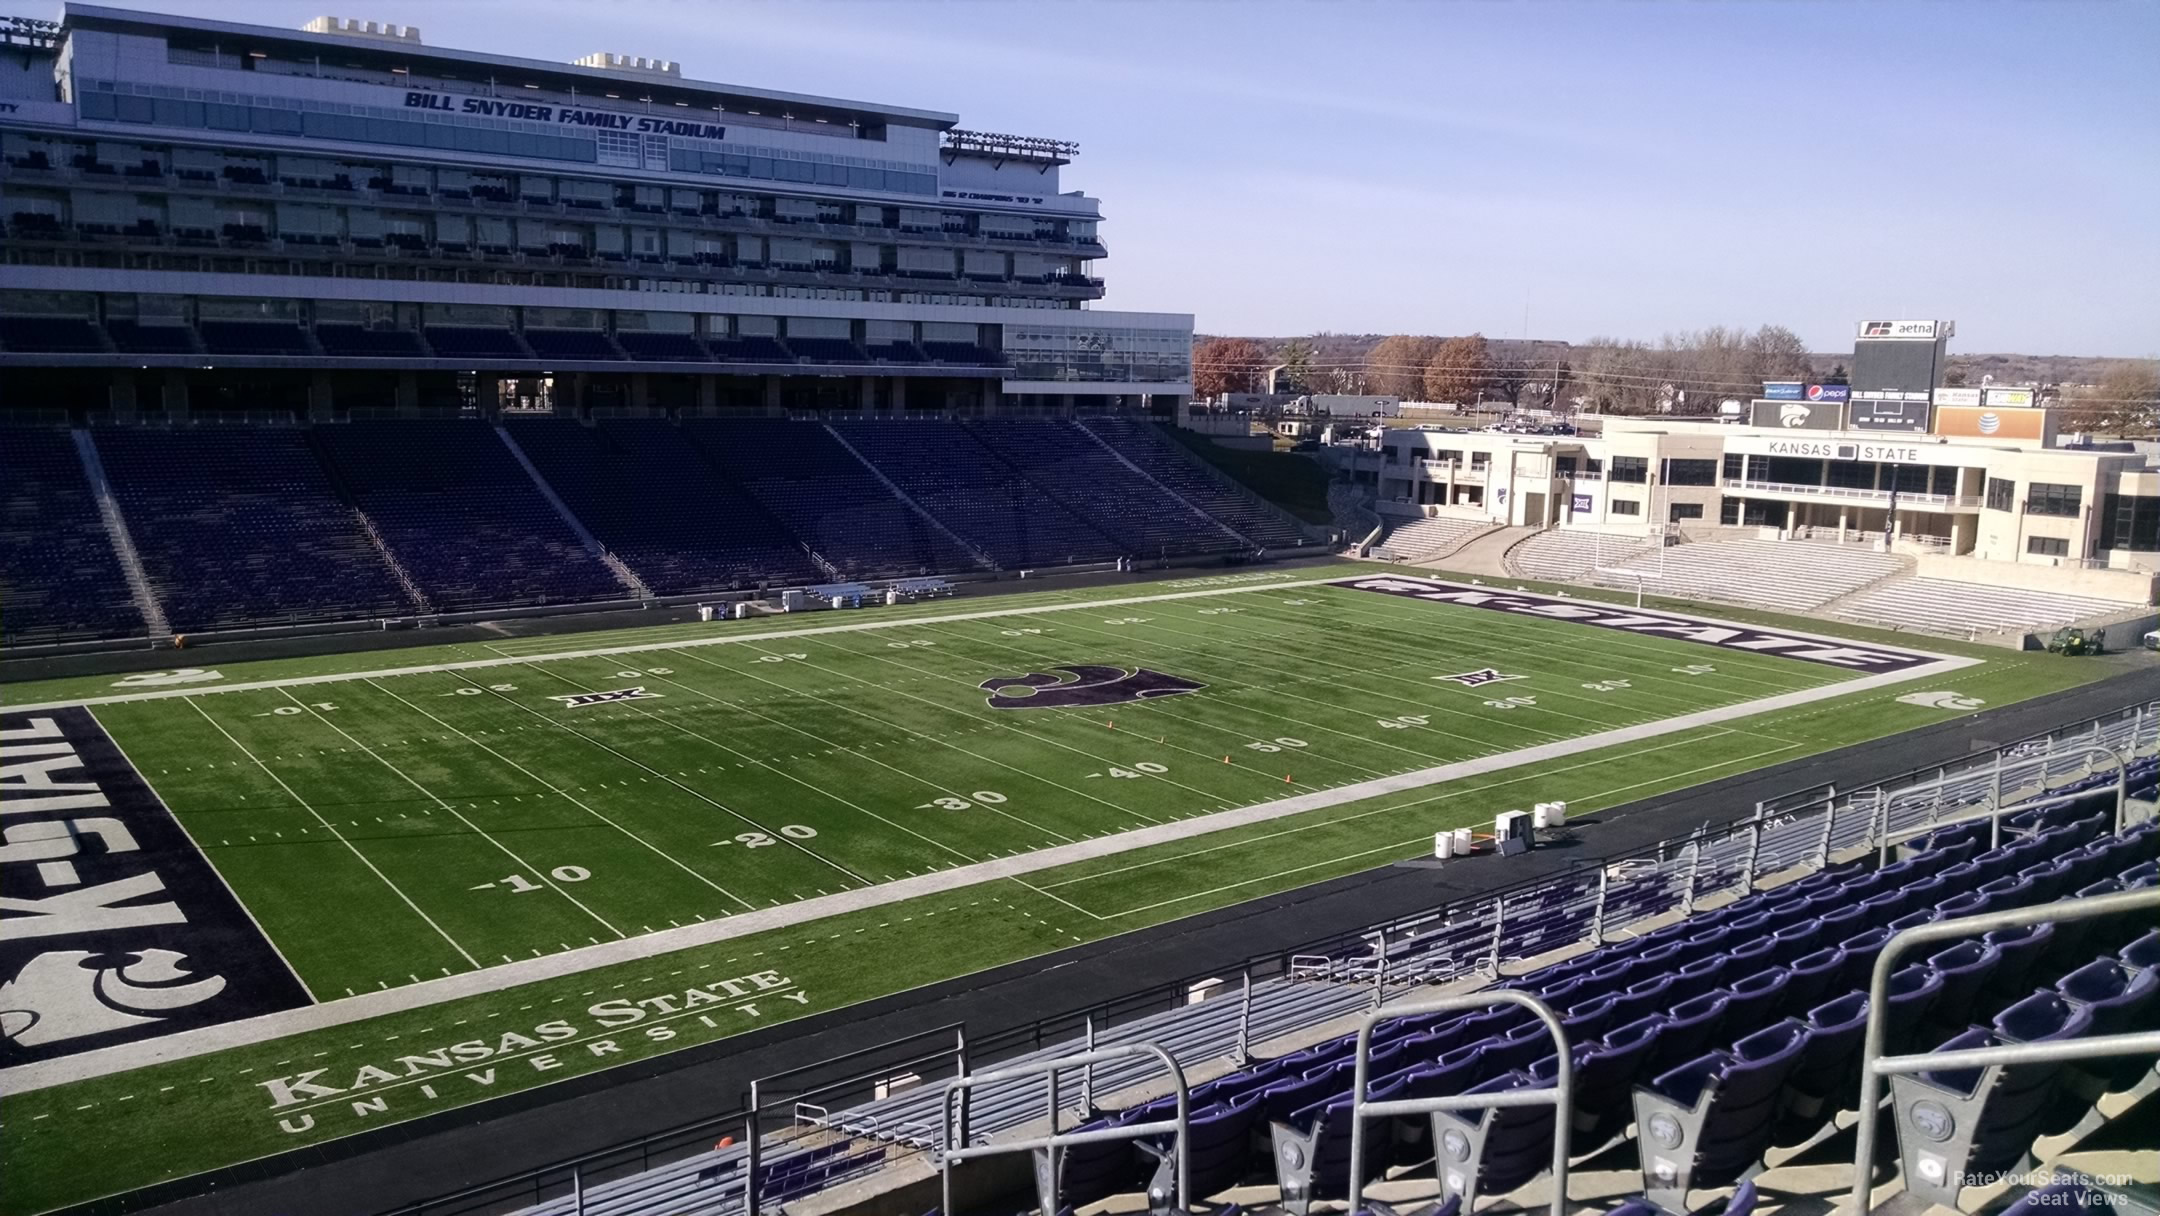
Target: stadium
581 640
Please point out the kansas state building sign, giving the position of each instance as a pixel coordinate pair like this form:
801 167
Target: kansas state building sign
113 927
1828 651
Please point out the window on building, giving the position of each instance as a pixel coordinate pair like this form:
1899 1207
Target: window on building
1735 466
1479 460
2046 499
2047 546
1388 456
1728 512
1563 466
1593 468
2000 490
2130 521
1626 506
1630 468
1685 511
1691 472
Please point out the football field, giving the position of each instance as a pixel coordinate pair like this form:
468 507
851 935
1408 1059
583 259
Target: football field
379 855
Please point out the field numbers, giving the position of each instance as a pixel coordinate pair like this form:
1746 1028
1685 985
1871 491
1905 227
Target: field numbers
759 840
1512 702
481 692
780 658
1219 611
518 884
1606 685
650 671
1297 603
1128 620
918 642
288 711
1404 722
984 797
1695 669
1275 745
1146 768
1019 633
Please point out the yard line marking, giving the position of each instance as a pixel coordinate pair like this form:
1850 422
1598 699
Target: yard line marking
670 858
1168 705
507 851
310 809
197 845
694 793
1052 895
890 725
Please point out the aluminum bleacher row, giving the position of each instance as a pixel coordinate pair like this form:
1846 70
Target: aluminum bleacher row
248 527
1732 1034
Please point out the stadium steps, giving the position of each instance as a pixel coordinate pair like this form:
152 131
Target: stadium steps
1106 446
1487 552
1430 539
145 596
390 559
616 566
912 505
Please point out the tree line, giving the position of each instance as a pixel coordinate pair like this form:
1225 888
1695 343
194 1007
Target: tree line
1687 372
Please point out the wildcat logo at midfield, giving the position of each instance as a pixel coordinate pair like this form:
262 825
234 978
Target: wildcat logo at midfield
573 700
112 926
1479 678
1084 684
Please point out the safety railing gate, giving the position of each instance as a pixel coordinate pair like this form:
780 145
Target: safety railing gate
1052 1143
1560 1096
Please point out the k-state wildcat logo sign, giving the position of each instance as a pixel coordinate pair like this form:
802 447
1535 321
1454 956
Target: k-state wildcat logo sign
1085 684
1687 629
112 926
573 700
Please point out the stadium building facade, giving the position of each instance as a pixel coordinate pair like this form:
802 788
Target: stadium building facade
209 216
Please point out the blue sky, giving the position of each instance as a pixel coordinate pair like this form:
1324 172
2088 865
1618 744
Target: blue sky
1615 168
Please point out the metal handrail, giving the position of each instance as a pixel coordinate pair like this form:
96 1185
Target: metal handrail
1874 1066
1561 1097
1056 1140
1996 810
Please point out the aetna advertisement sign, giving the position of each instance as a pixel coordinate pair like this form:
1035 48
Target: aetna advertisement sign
113 926
1888 416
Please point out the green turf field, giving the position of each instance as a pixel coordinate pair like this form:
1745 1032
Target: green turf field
555 867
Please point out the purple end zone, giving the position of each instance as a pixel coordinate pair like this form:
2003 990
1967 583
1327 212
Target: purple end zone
113 926
1751 638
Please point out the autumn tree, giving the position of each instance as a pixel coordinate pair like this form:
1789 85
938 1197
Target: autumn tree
1458 369
1395 367
1228 365
1296 358
2124 400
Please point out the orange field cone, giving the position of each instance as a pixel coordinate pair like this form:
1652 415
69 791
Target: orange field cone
1286 779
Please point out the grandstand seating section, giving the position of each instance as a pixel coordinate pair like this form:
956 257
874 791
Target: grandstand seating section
64 335
463 516
1958 609
1417 540
571 344
641 344
1785 576
59 576
650 497
252 338
821 492
1564 556
355 340
465 341
138 338
239 526
1103 490
947 472
1163 459
826 350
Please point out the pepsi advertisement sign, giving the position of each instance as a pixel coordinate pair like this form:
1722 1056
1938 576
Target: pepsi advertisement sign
1829 392
1784 390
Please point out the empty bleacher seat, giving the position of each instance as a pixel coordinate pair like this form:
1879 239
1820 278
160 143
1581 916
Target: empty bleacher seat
950 474
1418 540
59 577
463 516
474 342
1142 516
645 345
56 335
145 338
1183 474
363 342
648 494
571 344
1957 609
252 337
240 526
822 493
